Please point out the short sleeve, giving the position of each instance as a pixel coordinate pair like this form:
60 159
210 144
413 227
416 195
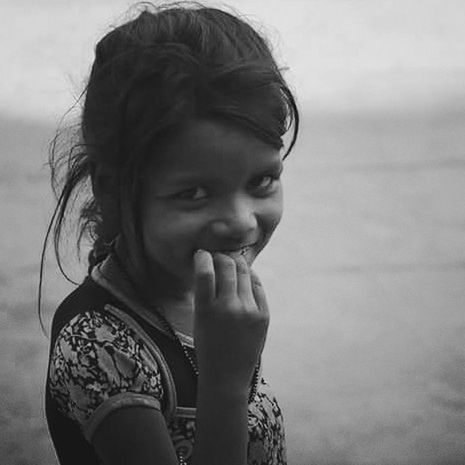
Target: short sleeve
98 364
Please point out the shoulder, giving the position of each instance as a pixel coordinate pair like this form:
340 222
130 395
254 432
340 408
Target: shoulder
97 329
86 297
98 363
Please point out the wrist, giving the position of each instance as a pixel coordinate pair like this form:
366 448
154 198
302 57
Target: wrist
224 389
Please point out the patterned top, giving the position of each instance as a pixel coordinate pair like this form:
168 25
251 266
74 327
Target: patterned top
102 361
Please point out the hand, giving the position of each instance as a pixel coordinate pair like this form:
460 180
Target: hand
231 320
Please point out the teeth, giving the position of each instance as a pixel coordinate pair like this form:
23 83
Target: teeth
242 251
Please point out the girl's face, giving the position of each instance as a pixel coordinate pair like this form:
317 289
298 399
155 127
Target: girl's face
213 187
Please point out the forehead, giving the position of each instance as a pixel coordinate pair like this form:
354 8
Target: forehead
212 149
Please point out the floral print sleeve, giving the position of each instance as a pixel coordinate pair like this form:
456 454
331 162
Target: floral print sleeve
98 364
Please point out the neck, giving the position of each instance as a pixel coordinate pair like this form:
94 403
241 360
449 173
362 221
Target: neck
157 286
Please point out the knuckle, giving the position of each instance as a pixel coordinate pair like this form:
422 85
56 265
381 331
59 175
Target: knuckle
261 318
266 320
230 305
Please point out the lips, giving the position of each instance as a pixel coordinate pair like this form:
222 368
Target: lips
242 249
234 250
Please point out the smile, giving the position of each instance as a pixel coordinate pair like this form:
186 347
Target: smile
241 251
244 251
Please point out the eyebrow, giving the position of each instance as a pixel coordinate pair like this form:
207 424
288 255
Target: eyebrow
188 177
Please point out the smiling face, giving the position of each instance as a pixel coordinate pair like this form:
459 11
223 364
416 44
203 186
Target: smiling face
212 187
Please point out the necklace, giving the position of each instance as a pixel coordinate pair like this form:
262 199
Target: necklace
168 327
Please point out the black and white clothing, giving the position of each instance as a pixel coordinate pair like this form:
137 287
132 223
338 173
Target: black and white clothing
109 351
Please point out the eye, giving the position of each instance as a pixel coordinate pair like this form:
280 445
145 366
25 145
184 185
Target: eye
195 193
264 183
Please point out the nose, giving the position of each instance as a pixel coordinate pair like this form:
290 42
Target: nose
235 219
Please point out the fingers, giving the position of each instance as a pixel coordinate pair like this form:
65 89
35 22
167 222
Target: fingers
226 277
204 277
259 293
244 284
221 276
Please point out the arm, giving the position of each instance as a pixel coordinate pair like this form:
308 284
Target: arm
231 321
94 351
221 427
139 436
134 436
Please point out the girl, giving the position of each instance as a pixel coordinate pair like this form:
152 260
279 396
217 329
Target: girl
155 357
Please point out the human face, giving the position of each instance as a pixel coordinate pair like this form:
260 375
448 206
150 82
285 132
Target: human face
213 187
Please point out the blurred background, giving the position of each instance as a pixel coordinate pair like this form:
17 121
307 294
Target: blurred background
366 274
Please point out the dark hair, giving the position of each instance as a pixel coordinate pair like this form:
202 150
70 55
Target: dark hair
150 75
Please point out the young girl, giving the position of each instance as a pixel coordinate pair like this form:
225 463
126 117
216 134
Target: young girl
155 357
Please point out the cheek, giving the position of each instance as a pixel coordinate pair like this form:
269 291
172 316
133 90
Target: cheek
274 220
272 213
277 207
157 228
166 231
